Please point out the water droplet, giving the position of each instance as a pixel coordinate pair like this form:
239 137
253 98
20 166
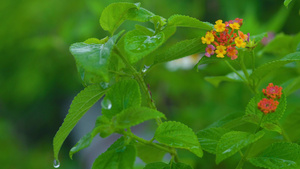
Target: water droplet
106 104
104 85
56 163
145 68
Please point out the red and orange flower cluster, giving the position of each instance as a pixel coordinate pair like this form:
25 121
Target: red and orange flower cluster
272 93
225 38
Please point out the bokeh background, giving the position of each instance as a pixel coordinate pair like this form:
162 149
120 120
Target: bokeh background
38 76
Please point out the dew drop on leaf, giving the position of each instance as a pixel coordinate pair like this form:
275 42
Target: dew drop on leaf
106 104
145 68
56 163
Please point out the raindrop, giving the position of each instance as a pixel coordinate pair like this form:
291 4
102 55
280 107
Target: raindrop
145 68
106 104
56 164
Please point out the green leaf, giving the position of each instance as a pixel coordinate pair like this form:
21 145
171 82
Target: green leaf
80 105
168 32
115 14
178 135
258 38
287 2
292 120
118 156
122 95
140 15
94 58
180 49
187 21
212 59
231 77
173 165
278 156
266 68
157 165
85 141
254 115
180 166
104 126
272 127
230 143
291 86
158 22
96 41
210 137
137 44
144 30
282 45
149 154
136 115
230 121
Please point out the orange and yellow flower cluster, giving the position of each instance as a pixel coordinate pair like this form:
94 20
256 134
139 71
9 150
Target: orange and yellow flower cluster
272 93
225 38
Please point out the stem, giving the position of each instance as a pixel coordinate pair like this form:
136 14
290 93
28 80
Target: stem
119 73
244 67
235 71
253 60
140 80
243 160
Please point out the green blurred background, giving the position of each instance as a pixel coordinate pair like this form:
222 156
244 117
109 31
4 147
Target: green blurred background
38 75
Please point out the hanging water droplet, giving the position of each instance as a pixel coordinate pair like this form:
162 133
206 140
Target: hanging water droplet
56 163
145 68
106 104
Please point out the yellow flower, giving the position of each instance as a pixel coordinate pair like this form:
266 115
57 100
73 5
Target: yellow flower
239 42
221 51
219 26
235 26
208 39
203 40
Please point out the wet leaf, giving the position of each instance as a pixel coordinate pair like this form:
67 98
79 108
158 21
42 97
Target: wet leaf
80 105
136 115
137 45
122 95
94 58
115 14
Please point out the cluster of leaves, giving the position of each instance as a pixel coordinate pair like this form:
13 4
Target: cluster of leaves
113 67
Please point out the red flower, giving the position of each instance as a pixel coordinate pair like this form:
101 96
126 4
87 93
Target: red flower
267 105
272 92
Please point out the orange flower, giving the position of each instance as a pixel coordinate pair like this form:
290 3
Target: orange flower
232 52
243 36
267 105
273 92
